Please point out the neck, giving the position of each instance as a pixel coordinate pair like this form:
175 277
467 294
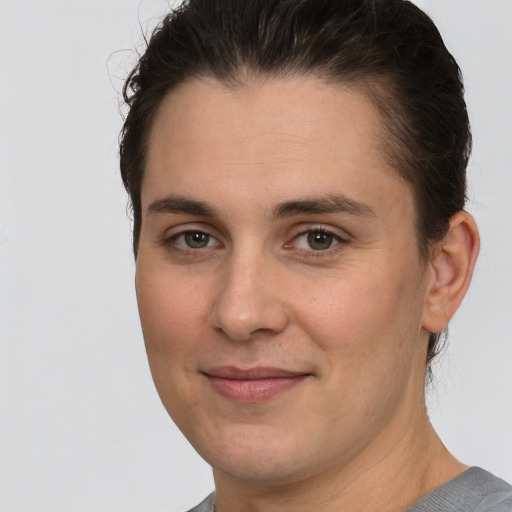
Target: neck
392 473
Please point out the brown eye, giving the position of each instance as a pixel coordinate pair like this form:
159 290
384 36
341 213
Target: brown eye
320 240
317 240
196 240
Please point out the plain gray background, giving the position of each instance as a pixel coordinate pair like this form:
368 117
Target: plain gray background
81 427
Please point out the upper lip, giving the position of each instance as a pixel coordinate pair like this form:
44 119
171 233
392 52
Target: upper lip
260 372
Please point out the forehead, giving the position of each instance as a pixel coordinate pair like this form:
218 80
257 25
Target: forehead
272 140
210 112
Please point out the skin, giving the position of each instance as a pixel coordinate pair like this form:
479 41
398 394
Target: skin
274 234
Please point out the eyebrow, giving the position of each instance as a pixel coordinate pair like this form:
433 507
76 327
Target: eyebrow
307 206
181 205
328 204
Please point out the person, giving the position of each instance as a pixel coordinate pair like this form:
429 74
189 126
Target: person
297 172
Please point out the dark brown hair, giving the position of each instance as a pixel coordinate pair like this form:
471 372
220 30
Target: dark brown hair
388 49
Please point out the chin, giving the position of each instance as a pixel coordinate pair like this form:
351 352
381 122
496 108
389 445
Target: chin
278 463
263 468
259 455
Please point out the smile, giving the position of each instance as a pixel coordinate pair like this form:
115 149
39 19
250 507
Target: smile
254 385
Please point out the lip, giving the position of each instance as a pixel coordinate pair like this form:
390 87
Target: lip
252 384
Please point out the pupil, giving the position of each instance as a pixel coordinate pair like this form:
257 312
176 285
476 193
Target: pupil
318 240
196 240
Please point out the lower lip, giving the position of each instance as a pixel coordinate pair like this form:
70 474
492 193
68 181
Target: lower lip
254 390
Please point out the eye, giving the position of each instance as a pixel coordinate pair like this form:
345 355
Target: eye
317 240
194 240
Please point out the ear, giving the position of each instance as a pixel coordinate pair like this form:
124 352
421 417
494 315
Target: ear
451 267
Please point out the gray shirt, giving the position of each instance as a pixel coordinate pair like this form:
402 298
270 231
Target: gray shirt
475 490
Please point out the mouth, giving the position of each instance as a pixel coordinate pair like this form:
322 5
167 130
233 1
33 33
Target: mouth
254 384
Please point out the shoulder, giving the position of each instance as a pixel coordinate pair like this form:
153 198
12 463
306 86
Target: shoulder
475 490
207 505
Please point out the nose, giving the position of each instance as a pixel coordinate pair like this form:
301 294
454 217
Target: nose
248 301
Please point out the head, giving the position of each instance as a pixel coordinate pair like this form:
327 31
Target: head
297 175
388 50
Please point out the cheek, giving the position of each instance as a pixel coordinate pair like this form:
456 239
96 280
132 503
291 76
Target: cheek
172 321
171 315
368 334
365 318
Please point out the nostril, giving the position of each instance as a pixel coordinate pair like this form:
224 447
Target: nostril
242 320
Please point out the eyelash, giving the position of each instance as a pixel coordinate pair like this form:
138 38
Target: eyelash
337 242
172 241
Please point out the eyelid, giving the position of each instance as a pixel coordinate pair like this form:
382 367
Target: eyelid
184 246
188 227
342 239
170 236
341 236
338 233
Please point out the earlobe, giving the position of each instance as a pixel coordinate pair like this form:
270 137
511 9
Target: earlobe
451 268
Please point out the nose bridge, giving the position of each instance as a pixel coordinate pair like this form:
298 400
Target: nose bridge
247 299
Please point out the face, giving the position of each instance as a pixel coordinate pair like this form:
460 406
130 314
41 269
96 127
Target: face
280 288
